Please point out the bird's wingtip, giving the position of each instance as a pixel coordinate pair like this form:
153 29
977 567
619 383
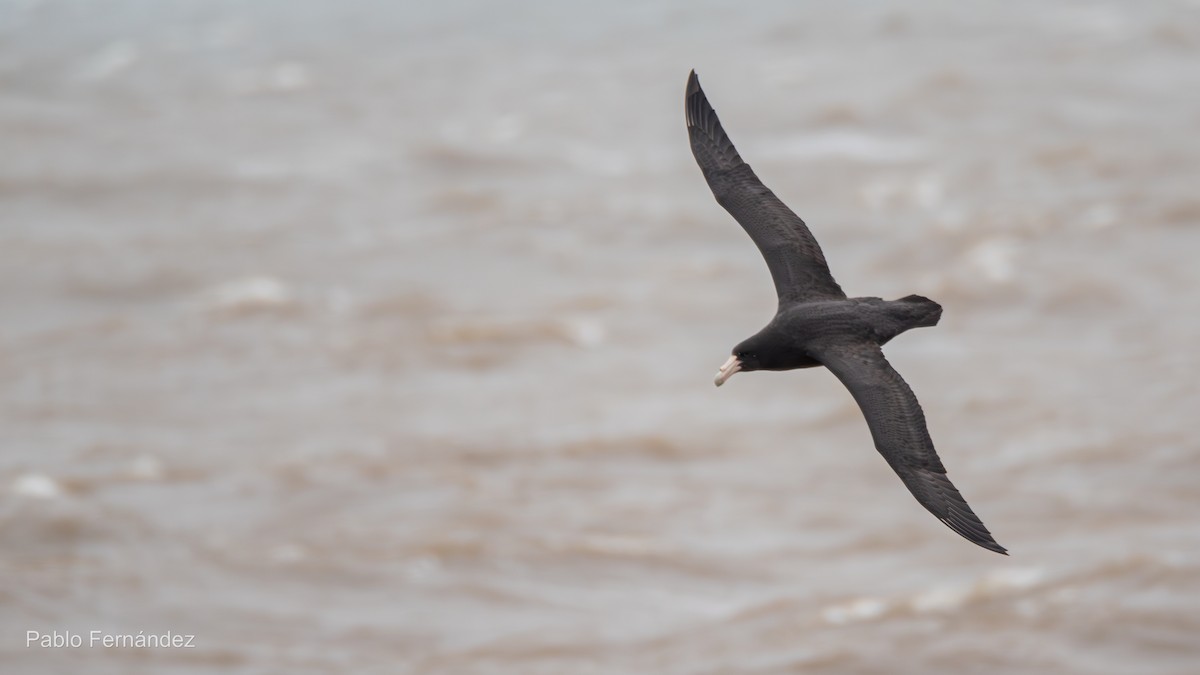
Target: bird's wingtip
978 536
694 101
994 547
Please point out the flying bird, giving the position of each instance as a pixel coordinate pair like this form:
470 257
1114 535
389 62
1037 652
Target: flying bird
817 325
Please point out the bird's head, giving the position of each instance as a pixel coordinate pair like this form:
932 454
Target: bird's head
746 356
770 349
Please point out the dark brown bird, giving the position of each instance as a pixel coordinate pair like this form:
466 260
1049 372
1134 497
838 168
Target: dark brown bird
817 325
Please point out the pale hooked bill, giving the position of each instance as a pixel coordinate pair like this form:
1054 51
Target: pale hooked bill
727 370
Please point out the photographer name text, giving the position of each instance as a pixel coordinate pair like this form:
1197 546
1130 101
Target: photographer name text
98 638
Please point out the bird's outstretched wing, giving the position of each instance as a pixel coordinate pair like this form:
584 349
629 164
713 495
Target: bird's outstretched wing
797 265
898 428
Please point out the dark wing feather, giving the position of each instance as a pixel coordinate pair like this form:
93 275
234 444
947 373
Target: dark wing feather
898 428
797 265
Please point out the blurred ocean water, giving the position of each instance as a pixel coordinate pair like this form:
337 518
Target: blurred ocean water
380 337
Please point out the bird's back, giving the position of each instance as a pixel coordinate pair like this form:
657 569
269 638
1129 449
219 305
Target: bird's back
856 319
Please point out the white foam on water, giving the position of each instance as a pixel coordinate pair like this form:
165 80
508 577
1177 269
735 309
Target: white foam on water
994 259
998 583
251 293
1011 579
859 609
36 486
941 599
421 568
928 190
1100 216
146 467
585 332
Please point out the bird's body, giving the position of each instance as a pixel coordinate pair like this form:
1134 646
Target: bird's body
817 325
854 319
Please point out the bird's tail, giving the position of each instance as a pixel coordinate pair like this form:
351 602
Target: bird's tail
924 313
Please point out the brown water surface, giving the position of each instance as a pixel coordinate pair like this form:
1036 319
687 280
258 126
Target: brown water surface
357 337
